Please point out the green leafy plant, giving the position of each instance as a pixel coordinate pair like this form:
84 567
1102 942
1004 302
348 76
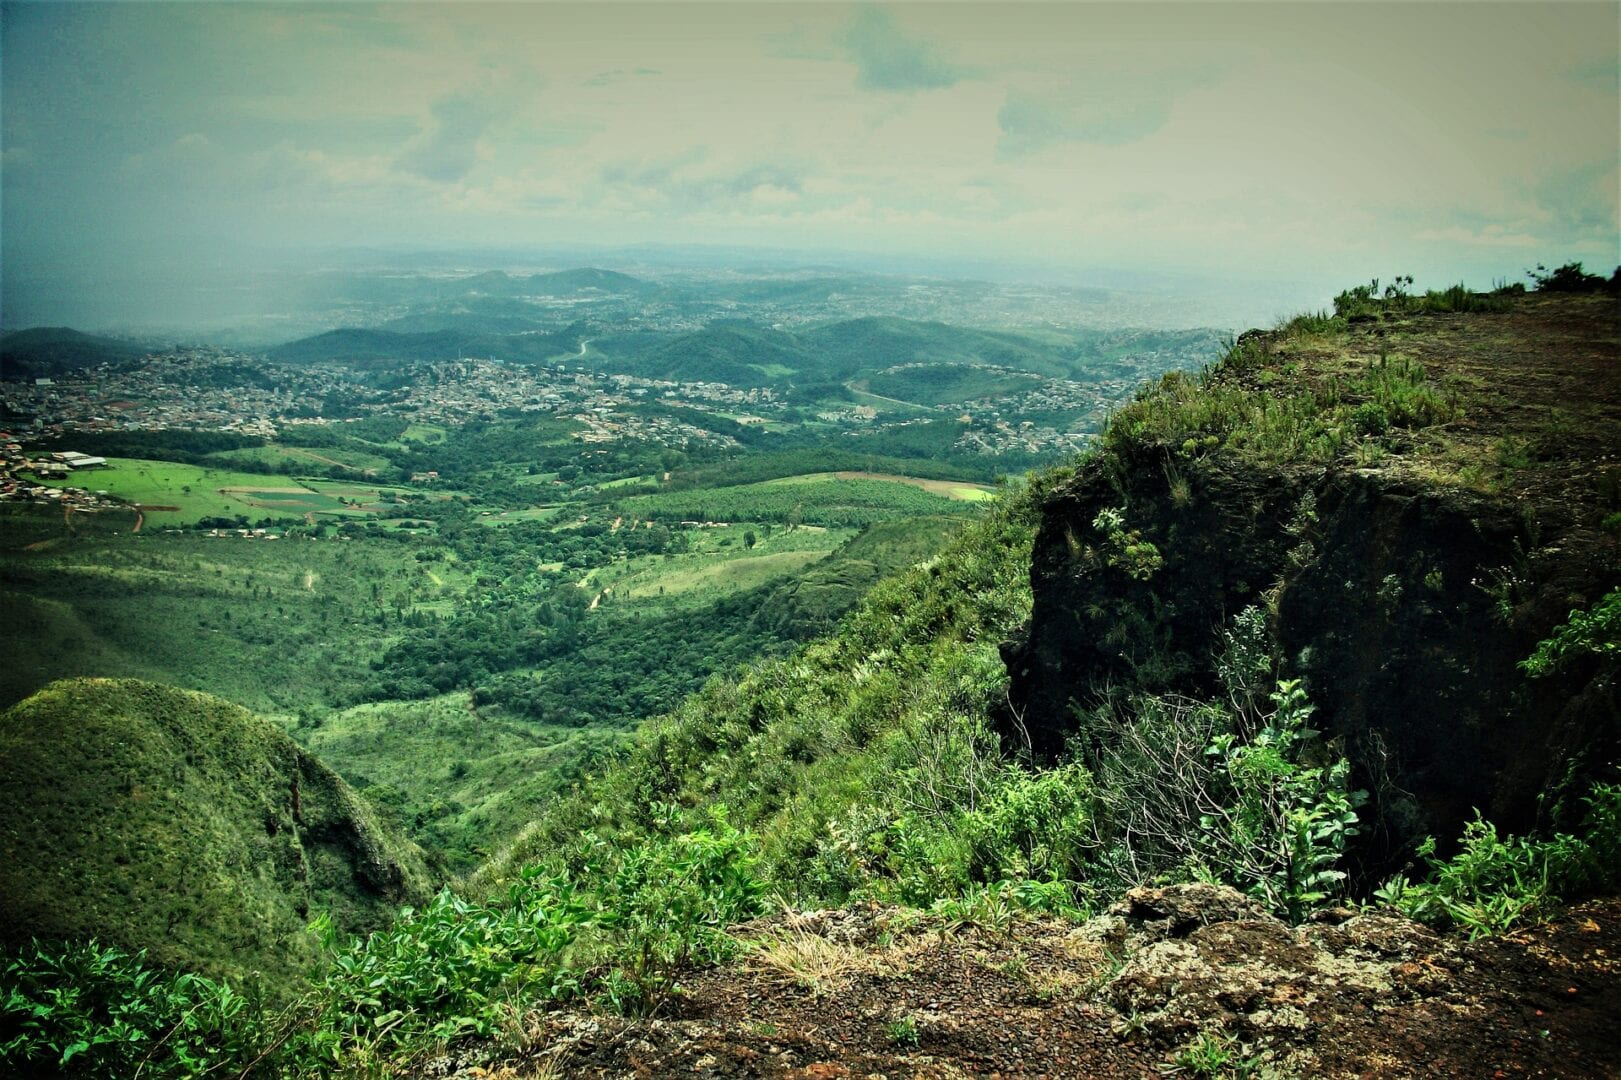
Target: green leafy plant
452 969
1593 632
1284 830
1567 278
88 1009
1495 882
1125 549
668 901
903 1032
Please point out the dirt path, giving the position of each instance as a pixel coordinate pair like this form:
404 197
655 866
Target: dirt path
948 488
862 993
298 451
891 400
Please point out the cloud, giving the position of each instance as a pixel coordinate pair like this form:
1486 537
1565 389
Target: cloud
1489 236
608 78
448 150
1031 123
1602 75
1581 201
887 59
1101 108
687 183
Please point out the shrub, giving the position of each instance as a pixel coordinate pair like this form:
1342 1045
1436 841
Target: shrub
87 1009
1567 278
1370 418
455 968
1595 632
667 904
1242 792
1493 882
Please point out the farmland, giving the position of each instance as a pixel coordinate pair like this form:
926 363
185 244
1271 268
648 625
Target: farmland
843 499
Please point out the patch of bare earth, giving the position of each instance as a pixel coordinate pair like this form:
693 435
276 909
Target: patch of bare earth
866 992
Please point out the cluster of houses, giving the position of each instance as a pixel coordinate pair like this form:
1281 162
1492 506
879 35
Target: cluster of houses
14 465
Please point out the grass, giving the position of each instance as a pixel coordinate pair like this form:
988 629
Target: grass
279 627
852 499
731 575
1264 404
195 491
808 960
430 434
175 494
626 482
276 454
717 561
460 780
513 517
166 820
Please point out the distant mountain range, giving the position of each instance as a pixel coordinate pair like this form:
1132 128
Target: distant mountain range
367 348
49 350
737 352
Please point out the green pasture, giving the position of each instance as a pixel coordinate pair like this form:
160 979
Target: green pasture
513 517
424 433
276 625
843 499
718 561
194 490
729 575
277 455
626 481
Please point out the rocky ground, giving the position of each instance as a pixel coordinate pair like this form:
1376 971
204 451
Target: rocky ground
1190 980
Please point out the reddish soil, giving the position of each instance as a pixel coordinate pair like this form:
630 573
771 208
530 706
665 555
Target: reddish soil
1353 996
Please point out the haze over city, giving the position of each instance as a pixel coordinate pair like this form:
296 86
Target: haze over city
1259 154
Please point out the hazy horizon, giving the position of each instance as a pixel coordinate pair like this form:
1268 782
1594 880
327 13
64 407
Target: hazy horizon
1253 154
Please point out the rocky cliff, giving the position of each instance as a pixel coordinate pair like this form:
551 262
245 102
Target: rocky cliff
1413 500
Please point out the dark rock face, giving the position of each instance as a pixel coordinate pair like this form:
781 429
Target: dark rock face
1405 607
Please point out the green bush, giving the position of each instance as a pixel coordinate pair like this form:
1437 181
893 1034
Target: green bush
1494 882
1242 792
1568 278
1595 632
1370 418
667 902
87 1009
455 968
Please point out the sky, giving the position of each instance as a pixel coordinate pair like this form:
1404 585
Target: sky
1293 142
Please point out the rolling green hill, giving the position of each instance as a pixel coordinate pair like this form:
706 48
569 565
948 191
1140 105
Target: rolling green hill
845 348
179 823
46 350
731 352
367 347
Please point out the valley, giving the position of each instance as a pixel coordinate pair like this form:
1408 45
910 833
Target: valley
610 682
420 563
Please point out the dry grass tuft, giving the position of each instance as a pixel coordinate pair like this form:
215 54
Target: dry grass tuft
809 960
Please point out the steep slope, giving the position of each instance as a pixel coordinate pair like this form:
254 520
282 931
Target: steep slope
177 822
1414 499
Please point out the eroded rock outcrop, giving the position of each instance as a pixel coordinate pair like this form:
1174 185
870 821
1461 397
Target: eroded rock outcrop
1402 574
